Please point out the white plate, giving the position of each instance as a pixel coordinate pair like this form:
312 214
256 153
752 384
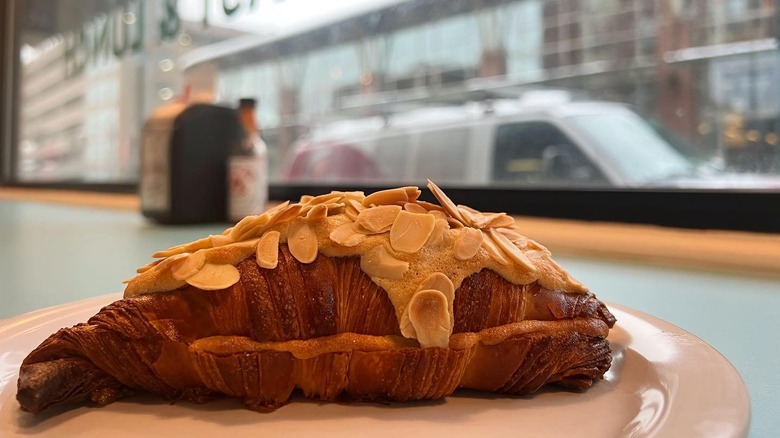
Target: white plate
663 381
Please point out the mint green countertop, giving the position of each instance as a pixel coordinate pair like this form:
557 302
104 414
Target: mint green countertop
52 254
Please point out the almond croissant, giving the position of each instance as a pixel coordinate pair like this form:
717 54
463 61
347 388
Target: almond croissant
401 303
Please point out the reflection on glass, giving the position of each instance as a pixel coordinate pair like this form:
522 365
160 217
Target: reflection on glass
706 87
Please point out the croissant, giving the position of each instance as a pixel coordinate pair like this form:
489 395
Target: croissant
342 296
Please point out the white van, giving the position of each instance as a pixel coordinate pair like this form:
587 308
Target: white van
501 142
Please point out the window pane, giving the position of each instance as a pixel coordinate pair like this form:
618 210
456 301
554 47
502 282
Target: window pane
635 93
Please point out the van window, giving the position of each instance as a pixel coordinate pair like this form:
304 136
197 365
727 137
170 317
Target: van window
441 155
539 153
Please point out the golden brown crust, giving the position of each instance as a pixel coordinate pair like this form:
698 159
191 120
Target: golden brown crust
190 343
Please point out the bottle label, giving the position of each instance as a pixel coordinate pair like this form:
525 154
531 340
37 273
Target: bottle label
155 187
247 186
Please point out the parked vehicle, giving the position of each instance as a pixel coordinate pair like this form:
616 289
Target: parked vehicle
502 142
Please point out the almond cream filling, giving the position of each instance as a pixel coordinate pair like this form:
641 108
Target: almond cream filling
418 252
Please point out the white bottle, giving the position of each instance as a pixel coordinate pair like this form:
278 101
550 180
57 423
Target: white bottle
247 168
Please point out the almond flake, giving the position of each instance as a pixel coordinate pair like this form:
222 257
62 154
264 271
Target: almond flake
215 277
511 234
219 240
351 213
190 266
431 207
512 250
412 193
410 231
305 199
178 249
493 250
231 254
468 243
470 219
345 235
378 219
430 317
446 202
318 212
437 235
324 199
302 241
247 225
267 252
377 262
286 215
441 283
173 260
149 266
499 220
387 197
414 207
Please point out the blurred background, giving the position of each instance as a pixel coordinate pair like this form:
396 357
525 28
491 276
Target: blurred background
678 94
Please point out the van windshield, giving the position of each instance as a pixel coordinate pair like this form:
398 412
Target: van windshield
632 147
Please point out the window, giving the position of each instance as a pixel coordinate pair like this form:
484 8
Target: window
638 95
539 153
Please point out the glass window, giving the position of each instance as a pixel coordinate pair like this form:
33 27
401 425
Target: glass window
635 93
539 153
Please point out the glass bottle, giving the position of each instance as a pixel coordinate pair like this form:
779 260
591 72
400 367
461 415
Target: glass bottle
247 167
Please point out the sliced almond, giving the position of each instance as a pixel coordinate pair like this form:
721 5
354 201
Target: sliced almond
305 199
439 282
448 205
455 223
431 207
412 193
468 243
219 240
437 235
414 207
334 207
499 220
351 213
471 219
428 313
410 231
318 212
178 249
149 266
286 215
172 261
358 195
215 277
190 266
345 235
231 254
377 262
203 243
328 197
267 252
302 241
247 225
512 250
378 219
357 205
493 250
389 197
511 234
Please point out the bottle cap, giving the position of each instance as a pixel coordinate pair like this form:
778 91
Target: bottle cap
246 101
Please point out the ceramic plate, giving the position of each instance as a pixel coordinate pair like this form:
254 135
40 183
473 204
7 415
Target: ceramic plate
663 381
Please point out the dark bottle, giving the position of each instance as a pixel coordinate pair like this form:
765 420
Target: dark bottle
184 154
247 167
